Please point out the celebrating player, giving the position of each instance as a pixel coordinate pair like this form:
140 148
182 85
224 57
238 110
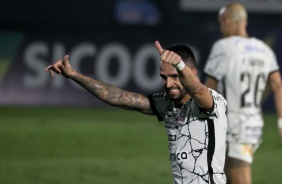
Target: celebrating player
243 66
194 115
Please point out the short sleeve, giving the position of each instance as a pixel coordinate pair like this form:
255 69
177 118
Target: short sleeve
220 104
217 63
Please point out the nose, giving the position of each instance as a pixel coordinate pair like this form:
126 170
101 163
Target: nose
168 82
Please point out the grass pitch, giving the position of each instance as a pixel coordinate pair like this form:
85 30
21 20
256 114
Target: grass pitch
42 145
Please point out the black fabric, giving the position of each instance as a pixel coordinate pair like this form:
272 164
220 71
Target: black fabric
154 108
211 148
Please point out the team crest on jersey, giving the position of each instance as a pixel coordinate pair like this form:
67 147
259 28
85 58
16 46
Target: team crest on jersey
171 137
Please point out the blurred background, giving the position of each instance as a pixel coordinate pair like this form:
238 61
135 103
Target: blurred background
111 40
49 132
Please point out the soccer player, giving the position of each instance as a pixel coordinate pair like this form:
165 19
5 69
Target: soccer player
241 66
194 115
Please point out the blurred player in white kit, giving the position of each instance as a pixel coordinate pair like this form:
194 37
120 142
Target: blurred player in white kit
242 66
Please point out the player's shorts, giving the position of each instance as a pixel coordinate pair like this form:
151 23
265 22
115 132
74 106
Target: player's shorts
241 151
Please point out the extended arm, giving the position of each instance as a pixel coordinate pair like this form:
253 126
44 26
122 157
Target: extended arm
105 92
276 86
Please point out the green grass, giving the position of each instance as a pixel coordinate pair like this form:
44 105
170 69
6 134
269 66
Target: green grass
83 145
267 164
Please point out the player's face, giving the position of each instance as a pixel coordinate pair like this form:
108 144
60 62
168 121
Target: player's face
172 85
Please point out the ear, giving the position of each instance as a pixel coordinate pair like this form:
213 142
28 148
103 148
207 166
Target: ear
195 71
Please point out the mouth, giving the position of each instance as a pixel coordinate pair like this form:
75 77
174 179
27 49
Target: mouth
173 91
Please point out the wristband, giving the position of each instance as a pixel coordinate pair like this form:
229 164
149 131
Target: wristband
181 65
280 123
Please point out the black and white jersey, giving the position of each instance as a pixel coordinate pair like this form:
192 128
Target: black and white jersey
196 139
242 66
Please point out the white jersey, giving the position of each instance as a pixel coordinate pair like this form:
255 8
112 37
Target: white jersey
196 139
242 66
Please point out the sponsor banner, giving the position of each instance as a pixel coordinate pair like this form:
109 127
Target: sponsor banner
120 56
254 6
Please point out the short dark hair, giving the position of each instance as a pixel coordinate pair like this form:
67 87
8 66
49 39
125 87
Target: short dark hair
185 53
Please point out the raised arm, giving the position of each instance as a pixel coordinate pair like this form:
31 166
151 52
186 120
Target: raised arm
188 78
106 92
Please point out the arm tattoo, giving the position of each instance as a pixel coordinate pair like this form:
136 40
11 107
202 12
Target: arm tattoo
114 95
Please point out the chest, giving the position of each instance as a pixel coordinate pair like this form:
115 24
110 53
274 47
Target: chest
183 126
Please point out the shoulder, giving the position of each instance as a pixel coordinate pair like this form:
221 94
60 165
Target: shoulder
159 103
220 47
217 98
230 41
159 97
264 47
219 43
220 105
260 43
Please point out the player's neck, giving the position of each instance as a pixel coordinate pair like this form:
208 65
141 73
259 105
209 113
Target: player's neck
243 33
238 30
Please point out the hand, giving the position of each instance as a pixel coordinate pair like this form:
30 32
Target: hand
167 56
61 67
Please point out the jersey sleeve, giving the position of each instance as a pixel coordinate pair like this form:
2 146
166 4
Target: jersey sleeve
159 103
216 65
220 104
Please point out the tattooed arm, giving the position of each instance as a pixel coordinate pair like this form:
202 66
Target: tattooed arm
105 92
113 95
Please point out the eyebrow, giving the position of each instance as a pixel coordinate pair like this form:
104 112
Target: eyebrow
170 75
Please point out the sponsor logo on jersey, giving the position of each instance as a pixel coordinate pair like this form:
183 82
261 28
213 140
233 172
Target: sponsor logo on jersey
179 156
244 46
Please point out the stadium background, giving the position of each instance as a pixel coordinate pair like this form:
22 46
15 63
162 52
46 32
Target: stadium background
49 130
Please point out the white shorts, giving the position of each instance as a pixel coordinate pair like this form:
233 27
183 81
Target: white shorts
241 151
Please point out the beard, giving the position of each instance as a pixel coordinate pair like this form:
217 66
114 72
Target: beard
176 94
